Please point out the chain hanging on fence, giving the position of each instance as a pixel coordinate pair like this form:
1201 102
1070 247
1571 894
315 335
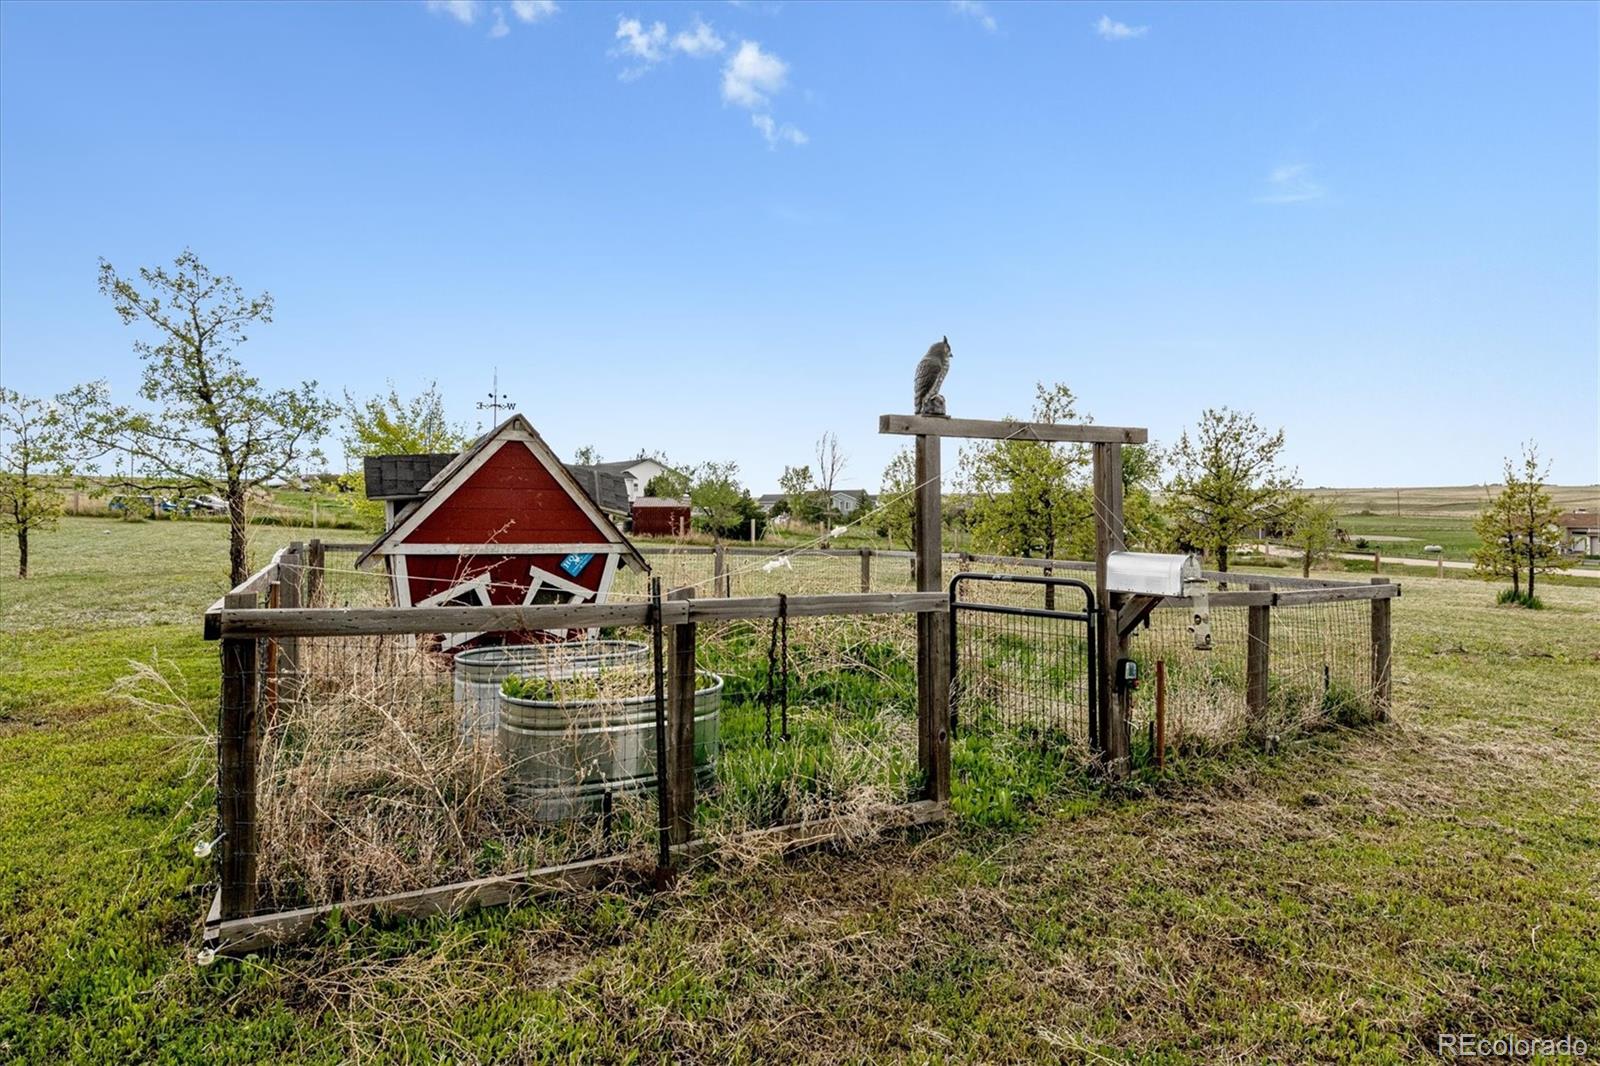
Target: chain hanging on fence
779 624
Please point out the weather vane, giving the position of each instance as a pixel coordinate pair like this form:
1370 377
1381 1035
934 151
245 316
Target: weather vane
497 400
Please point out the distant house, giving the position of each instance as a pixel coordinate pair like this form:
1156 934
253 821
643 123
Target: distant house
848 501
767 501
504 522
1580 532
658 516
635 474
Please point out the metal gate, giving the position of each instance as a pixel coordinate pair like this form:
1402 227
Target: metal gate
1018 665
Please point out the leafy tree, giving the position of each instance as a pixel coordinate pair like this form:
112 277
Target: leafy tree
1523 518
1227 482
211 424
35 449
588 455
897 500
669 483
391 424
805 502
1031 497
1144 521
1314 528
718 498
1496 527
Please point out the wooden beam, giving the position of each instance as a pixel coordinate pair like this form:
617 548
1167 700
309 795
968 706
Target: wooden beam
923 426
244 935
1134 611
375 621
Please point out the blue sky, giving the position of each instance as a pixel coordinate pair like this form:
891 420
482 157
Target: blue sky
1373 225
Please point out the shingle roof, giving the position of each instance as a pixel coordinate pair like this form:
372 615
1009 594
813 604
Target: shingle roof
609 490
401 477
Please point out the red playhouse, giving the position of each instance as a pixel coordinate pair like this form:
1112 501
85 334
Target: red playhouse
504 522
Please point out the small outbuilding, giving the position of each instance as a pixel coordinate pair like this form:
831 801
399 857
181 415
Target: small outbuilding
504 522
661 516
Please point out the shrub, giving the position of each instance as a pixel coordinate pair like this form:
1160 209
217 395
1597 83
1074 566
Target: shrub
1520 599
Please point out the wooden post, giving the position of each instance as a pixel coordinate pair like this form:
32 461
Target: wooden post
933 636
316 563
274 601
1049 590
236 768
752 531
1258 658
1382 656
291 583
866 569
681 679
719 571
1377 562
1108 538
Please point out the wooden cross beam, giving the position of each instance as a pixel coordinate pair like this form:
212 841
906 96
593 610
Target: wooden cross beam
927 426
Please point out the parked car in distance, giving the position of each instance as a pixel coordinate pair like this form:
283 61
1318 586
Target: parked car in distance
145 504
208 504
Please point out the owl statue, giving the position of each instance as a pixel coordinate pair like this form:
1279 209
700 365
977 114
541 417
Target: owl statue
930 377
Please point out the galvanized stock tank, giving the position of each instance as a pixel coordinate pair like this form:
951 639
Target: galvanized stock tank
562 758
479 671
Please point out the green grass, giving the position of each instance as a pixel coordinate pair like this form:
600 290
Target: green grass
1343 899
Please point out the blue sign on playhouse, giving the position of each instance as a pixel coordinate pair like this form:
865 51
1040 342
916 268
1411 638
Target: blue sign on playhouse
574 563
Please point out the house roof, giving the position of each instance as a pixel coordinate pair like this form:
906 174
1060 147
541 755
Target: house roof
562 473
660 501
401 477
1579 520
607 488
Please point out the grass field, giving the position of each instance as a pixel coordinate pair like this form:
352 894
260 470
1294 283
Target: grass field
1345 898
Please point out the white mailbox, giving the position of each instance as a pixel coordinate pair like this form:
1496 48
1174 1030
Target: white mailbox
1148 574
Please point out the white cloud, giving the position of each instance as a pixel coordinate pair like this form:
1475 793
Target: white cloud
533 10
1112 30
637 41
975 10
752 75
776 133
499 29
702 41
1292 183
463 11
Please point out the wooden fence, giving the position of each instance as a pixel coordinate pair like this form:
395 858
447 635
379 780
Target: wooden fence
260 624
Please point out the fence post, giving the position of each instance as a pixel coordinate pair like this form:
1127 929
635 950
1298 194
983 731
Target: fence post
1377 562
933 638
1108 538
866 569
1382 655
316 562
681 686
1258 657
719 571
291 579
236 767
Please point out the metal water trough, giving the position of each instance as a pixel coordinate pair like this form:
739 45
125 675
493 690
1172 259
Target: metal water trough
562 759
479 671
